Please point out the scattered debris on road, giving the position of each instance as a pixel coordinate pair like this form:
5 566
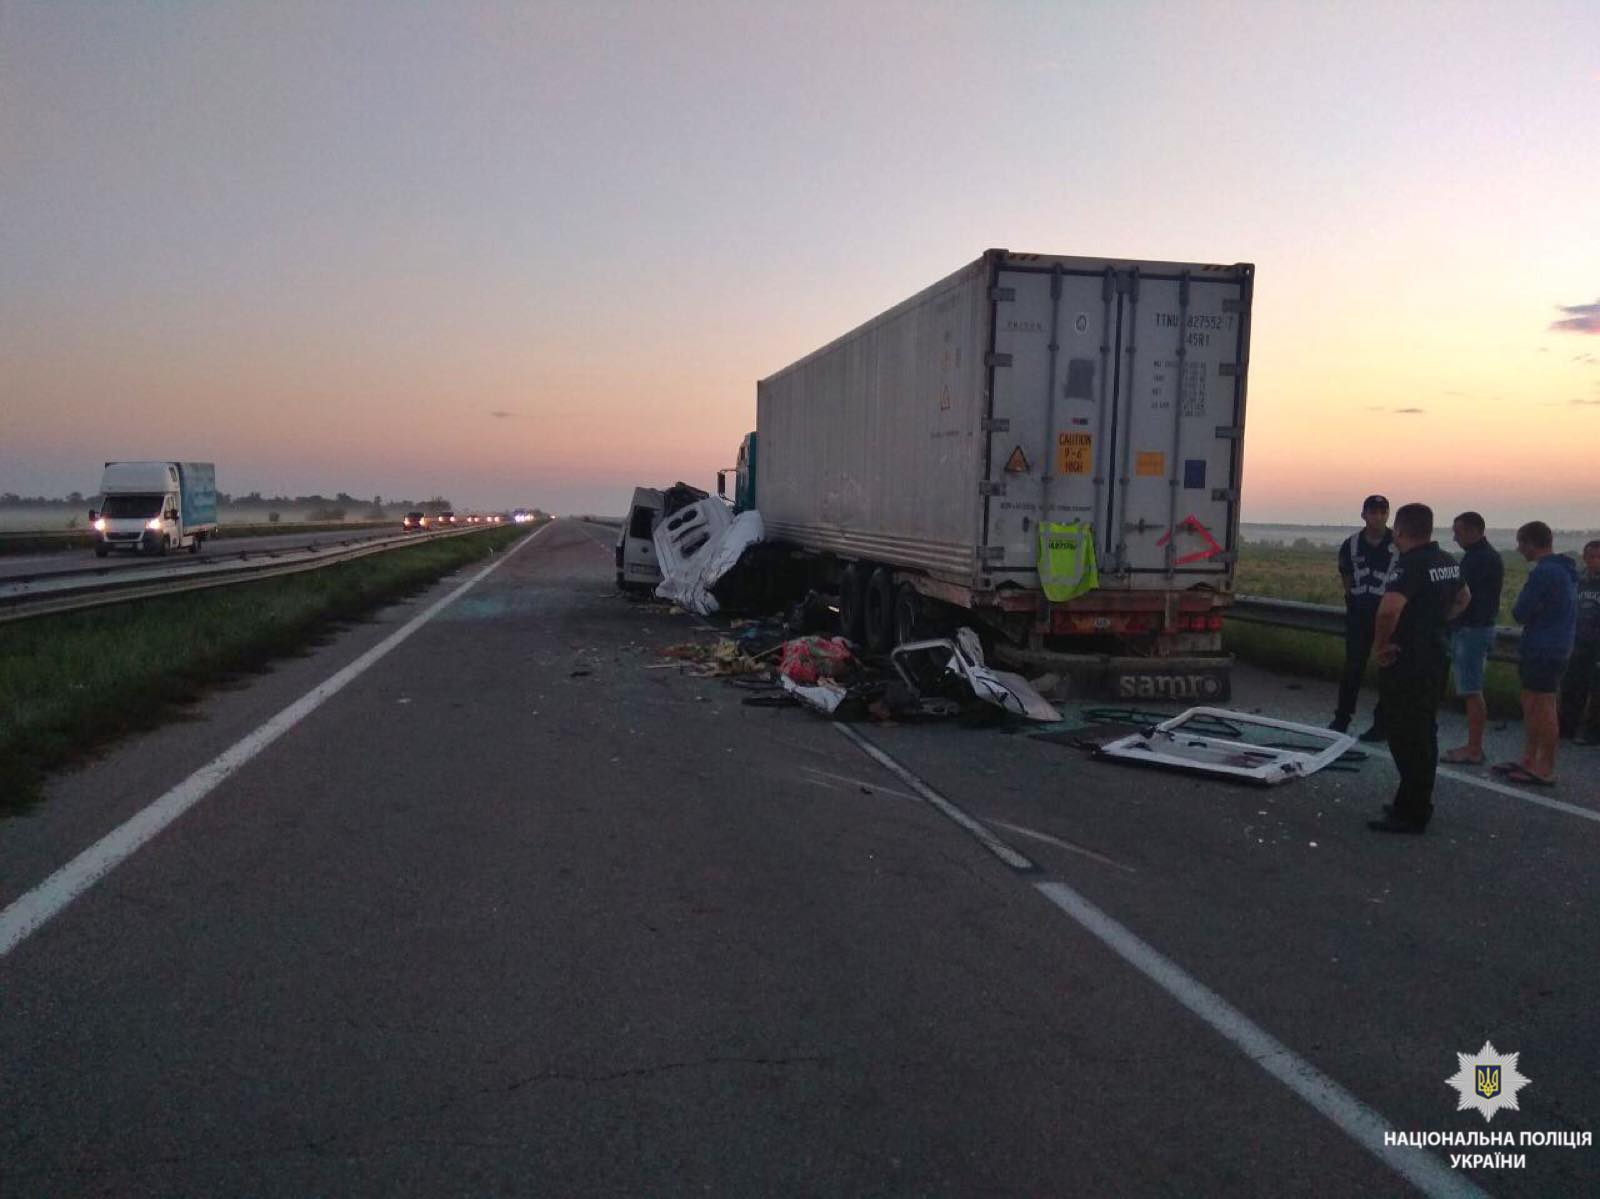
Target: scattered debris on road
964 657
927 680
1214 741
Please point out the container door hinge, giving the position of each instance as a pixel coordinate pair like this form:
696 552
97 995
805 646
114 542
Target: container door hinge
1224 495
1228 369
996 424
992 553
989 487
1230 432
1002 293
993 359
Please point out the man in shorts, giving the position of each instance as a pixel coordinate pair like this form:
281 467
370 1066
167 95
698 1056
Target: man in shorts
1472 633
1547 610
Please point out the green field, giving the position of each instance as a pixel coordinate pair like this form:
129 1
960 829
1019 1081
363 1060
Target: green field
1312 576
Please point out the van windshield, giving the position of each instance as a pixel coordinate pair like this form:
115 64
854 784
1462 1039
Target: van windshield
132 506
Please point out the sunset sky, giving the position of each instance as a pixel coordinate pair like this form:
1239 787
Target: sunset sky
536 253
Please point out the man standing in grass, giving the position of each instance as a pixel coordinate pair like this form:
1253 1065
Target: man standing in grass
1411 640
1365 560
1472 634
1547 610
1580 696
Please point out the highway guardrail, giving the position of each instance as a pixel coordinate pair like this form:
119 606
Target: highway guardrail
92 588
1329 618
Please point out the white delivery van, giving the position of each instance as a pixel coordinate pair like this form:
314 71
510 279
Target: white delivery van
637 568
154 507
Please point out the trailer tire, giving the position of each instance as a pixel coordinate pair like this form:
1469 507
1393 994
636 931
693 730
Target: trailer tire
907 614
877 611
194 546
852 595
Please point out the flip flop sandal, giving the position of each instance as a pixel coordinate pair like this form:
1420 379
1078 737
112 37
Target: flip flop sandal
1506 767
1523 775
1455 759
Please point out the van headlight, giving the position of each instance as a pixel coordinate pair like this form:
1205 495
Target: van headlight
154 525
100 525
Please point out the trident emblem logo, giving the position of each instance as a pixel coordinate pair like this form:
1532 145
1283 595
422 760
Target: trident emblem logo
1488 1081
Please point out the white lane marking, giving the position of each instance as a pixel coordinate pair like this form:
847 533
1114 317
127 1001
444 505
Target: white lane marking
1516 793
876 788
985 837
27 914
1060 844
1359 1122
1354 1118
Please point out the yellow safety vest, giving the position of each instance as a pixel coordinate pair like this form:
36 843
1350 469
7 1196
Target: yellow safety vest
1066 561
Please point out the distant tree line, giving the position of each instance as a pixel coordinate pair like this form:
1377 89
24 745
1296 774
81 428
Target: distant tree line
254 499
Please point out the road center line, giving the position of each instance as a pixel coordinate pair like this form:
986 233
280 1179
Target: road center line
1516 793
1047 839
1355 1119
875 788
29 912
979 830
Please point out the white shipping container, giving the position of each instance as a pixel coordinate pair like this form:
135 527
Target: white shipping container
1024 387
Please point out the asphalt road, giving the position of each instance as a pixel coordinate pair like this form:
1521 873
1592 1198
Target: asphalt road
517 912
15 567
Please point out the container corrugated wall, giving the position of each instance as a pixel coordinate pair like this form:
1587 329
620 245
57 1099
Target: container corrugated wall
873 446
1023 387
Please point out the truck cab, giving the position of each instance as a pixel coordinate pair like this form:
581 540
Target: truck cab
744 477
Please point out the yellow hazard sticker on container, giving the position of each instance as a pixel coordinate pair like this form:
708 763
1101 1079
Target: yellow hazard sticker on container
1074 453
1151 463
1017 464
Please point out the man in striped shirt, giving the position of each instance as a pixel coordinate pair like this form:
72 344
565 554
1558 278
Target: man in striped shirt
1365 560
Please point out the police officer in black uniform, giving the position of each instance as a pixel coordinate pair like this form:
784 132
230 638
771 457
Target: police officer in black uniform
1411 640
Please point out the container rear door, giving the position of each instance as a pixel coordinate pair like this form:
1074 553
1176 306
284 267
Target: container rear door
1117 400
1051 414
1173 509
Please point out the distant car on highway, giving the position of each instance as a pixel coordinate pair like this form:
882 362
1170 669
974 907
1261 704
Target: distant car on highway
414 520
445 518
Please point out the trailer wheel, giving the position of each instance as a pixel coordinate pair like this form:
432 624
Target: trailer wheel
877 611
907 614
852 594
194 546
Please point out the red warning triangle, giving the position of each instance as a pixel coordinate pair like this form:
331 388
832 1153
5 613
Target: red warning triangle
1018 462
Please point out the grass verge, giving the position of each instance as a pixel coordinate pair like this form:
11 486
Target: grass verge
72 683
1321 656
